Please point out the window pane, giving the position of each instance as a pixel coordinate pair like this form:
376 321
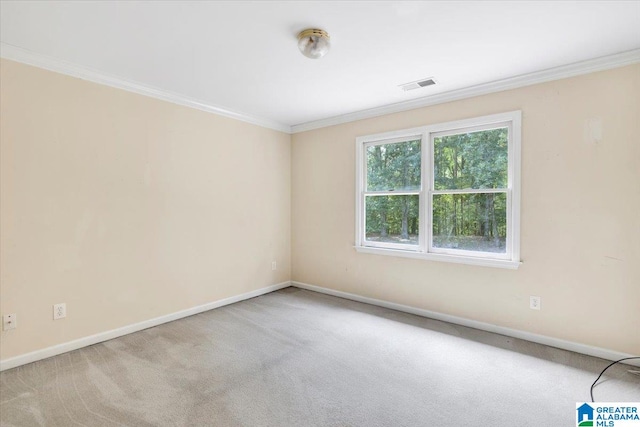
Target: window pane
392 219
471 160
394 167
472 222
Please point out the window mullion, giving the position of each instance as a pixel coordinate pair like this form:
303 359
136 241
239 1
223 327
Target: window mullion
430 176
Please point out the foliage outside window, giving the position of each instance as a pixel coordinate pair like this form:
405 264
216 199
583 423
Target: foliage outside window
392 194
446 192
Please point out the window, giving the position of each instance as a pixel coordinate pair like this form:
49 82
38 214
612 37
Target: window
446 192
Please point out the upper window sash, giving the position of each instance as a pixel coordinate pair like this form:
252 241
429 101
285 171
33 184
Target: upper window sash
465 131
398 190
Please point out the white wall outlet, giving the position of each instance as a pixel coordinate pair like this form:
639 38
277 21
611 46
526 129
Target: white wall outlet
273 265
9 321
59 311
535 303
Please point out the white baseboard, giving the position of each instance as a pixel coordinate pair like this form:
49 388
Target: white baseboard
125 330
528 336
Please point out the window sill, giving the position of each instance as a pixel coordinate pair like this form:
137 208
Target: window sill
484 262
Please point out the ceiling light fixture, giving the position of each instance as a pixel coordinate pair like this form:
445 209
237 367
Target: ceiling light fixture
314 43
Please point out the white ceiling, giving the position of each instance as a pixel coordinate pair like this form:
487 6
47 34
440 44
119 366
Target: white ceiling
242 56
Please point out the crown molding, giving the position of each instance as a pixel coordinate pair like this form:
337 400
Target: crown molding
571 70
28 57
18 54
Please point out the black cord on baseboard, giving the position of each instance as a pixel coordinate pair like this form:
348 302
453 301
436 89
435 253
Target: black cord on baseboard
610 365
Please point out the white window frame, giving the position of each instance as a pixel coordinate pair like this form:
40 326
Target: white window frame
425 250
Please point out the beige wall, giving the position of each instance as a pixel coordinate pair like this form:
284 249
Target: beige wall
127 208
580 216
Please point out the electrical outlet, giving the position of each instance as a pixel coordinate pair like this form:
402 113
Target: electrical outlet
535 303
59 311
9 321
273 265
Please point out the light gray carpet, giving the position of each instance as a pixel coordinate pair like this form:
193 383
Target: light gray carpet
298 358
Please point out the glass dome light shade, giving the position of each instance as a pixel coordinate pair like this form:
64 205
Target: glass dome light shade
314 43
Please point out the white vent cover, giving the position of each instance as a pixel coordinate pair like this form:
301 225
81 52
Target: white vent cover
418 84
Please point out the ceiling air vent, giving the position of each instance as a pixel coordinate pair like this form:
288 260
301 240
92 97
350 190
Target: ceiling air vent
418 84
